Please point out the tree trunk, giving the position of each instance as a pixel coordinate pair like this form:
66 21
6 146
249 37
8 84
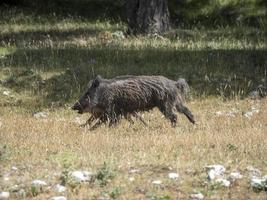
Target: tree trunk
147 16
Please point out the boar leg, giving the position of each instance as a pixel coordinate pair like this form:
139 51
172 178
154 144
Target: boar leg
111 116
89 121
129 118
96 124
182 109
135 114
99 120
167 110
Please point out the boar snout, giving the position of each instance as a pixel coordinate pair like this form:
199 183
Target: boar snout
77 106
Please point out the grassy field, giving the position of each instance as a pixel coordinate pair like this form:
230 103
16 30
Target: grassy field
45 64
45 148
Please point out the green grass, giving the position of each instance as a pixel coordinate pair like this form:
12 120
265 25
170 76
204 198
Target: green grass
67 51
220 12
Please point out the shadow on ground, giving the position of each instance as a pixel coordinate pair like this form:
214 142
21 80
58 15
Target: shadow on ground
26 38
209 72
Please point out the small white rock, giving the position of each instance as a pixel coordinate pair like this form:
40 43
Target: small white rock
40 115
60 188
235 175
157 182
197 196
131 179
248 114
14 168
258 182
59 198
173 175
218 168
212 174
4 195
215 171
254 172
133 171
6 93
39 183
6 178
223 182
81 176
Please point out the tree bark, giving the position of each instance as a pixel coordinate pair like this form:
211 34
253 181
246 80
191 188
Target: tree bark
147 16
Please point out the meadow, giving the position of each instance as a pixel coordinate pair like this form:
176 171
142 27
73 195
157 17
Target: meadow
46 62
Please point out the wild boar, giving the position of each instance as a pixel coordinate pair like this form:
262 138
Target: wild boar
128 95
98 115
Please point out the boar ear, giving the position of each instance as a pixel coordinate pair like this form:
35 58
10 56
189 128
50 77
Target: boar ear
97 81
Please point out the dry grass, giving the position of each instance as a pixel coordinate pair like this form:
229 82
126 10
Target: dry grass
45 148
40 147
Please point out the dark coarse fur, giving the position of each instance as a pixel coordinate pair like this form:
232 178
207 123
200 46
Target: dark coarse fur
98 115
183 88
131 94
